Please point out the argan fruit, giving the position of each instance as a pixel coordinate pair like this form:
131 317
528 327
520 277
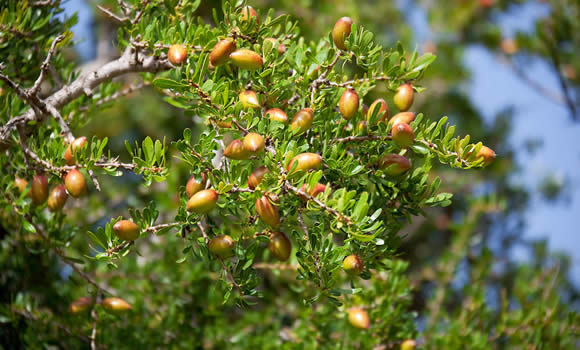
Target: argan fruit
202 202
254 142
341 31
274 42
81 305
277 115
249 99
509 46
247 13
57 198
236 150
257 176
403 117
177 54
267 210
382 110
312 192
408 344
222 246
306 162
359 318
403 135
362 127
73 148
224 124
246 59
39 189
220 54
192 186
75 183
126 230
280 246
353 265
487 154
115 305
20 184
302 121
348 104
404 97
394 164
281 49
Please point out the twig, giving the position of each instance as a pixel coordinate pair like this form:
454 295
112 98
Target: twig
112 15
302 224
322 78
275 266
361 138
350 83
156 228
45 65
338 215
95 317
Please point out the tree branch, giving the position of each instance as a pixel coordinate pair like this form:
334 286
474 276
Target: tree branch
45 65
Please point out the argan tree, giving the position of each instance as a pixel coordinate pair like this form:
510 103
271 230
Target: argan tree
286 229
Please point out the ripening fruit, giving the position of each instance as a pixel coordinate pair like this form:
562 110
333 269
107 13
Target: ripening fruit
348 104
236 150
81 305
381 108
224 124
362 127
20 184
39 189
57 198
202 202
254 142
268 210
403 117
193 186
403 135
280 246
306 162
302 121
487 154
246 59
75 183
281 48
248 12
404 97
126 230
249 99
115 305
359 318
394 164
177 54
257 176
408 344
277 115
73 148
222 246
313 192
341 31
220 54
353 265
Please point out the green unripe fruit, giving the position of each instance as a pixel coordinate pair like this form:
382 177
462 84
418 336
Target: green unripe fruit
257 176
394 164
280 246
403 117
302 121
248 13
246 59
353 265
381 108
57 198
254 142
268 210
115 305
403 135
39 189
404 97
126 230
222 246
75 183
487 154
73 148
408 344
192 186
202 202
236 150
177 54
313 192
21 184
220 54
359 318
306 162
81 305
348 104
249 99
277 115
341 31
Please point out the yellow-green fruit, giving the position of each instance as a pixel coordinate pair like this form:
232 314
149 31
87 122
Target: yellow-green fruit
408 344
359 318
248 12
404 97
348 104
254 142
394 164
20 184
249 99
302 121
81 305
126 230
487 154
403 117
220 54
277 115
236 150
75 183
57 198
177 54
246 59
403 135
381 109
280 246
222 246
306 162
115 305
362 127
193 186
257 176
341 31
73 148
39 189
268 210
202 202
353 265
